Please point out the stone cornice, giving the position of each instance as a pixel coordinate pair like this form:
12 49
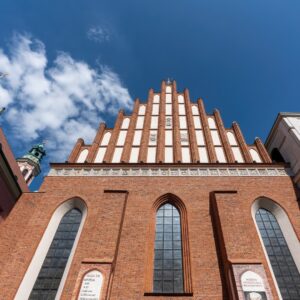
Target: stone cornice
163 171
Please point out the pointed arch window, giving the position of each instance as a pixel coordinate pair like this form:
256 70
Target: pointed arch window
168 270
279 254
52 270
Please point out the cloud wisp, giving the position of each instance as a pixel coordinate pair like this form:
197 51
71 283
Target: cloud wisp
58 103
98 34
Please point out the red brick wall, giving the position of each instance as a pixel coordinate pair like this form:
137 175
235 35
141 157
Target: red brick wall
23 229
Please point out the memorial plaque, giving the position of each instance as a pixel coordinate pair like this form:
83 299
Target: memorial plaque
251 282
253 286
91 286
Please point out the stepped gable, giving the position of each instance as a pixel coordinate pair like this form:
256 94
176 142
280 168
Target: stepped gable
169 128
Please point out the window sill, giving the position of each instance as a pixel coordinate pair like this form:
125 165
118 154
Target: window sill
169 294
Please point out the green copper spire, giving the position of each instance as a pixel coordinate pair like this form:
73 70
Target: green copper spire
36 153
30 163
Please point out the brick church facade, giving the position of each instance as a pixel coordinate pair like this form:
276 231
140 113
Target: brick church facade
168 204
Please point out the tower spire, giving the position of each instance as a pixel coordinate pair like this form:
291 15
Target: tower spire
30 163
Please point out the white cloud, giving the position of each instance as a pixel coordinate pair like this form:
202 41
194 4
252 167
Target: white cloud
5 96
98 34
59 103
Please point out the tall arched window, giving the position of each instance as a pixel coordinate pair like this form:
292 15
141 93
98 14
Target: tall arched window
279 254
168 270
48 269
52 270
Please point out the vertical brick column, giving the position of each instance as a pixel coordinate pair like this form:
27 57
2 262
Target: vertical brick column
241 142
160 154
75 151
96 143
191 128
262 151
175 121
146 128
223 136
114 136
130 132
206 132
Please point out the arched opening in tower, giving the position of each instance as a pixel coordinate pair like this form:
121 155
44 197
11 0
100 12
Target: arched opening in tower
276 156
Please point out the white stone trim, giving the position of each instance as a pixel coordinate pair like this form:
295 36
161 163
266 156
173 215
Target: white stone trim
286 228
44 245
169 171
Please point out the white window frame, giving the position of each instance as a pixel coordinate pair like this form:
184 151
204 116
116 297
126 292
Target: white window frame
286 228
40 254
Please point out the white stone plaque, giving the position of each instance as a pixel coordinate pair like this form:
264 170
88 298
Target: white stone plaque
91 286
253 286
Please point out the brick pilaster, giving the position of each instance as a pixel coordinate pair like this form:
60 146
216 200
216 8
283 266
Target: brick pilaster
223 136
262 151
75 151
146 128
206 132
96 143
191 128
130 132
114 136
160 154
175 121
241 142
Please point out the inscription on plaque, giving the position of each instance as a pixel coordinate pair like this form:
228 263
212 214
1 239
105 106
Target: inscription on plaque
91 286
251 282
253 286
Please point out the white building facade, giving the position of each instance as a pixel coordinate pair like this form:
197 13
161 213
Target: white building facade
283 142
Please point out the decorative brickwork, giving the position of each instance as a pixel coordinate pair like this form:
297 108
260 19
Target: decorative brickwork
191 127
180 121
206 132
130 132
160 155
94 148
214 199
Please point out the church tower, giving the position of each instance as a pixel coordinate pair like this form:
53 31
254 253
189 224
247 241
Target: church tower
29 164
168 204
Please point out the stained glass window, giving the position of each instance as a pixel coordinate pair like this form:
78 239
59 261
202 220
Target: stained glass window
53 267
282 262
168 272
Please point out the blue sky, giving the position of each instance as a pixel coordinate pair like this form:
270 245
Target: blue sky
72 64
